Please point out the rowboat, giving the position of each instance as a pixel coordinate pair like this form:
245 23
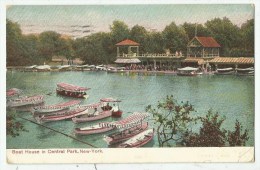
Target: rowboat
54 108
116 112
88 118
25 100
131 125
138 140
245 71
130 121
93 129
70 90
13 92
187 71
225 71
125 134
61 116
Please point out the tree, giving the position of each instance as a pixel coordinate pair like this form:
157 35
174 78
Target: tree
247 32
50 44
13 44
13 126
140 35
155 43
190 29
237 137
175 38
171 120
119 31
210 135
174 125
91 49
226 34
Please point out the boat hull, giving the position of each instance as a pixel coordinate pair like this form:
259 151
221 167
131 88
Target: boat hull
66 115
71 94
102 115
225 73
92 131
125 134
186 74
117 113
147 138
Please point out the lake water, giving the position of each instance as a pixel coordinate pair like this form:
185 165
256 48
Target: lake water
232 96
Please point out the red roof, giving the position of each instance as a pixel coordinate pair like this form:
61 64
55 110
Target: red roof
128 42
208 41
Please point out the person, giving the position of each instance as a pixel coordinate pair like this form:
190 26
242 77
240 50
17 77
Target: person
115 108
107 107
96 112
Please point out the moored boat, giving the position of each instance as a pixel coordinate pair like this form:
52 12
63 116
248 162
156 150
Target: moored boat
116 112
93 129
91 117
70 90
245 71
54 108
61 116
187 71
125 134
131 125
25 100
138 140
13 92
225 71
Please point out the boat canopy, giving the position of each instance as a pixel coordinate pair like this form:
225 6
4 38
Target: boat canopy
12 92
110 99
225 69
29 99
188 69
59 105
134 119
71 87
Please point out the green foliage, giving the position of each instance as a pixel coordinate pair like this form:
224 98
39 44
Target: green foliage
210 135
175 38
237 137
100 47
171 120
174 123
13 126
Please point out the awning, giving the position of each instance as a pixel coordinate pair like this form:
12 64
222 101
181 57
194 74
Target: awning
67 86
233 60
59 105
134 119
199 61
127 61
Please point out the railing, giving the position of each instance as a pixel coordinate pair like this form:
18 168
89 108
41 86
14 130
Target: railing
150 56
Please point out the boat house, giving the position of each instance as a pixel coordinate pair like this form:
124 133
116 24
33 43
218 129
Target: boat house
129 52
204 47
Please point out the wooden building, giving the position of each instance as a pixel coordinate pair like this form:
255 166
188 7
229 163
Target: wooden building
203 47
127 52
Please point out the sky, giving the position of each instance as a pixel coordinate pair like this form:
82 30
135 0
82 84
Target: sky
82 20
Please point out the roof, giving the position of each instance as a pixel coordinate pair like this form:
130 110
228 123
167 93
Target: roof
207 41
233 60
194 60
127 61
127 42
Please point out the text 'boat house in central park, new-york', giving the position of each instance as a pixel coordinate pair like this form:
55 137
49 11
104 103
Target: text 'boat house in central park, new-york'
201 52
